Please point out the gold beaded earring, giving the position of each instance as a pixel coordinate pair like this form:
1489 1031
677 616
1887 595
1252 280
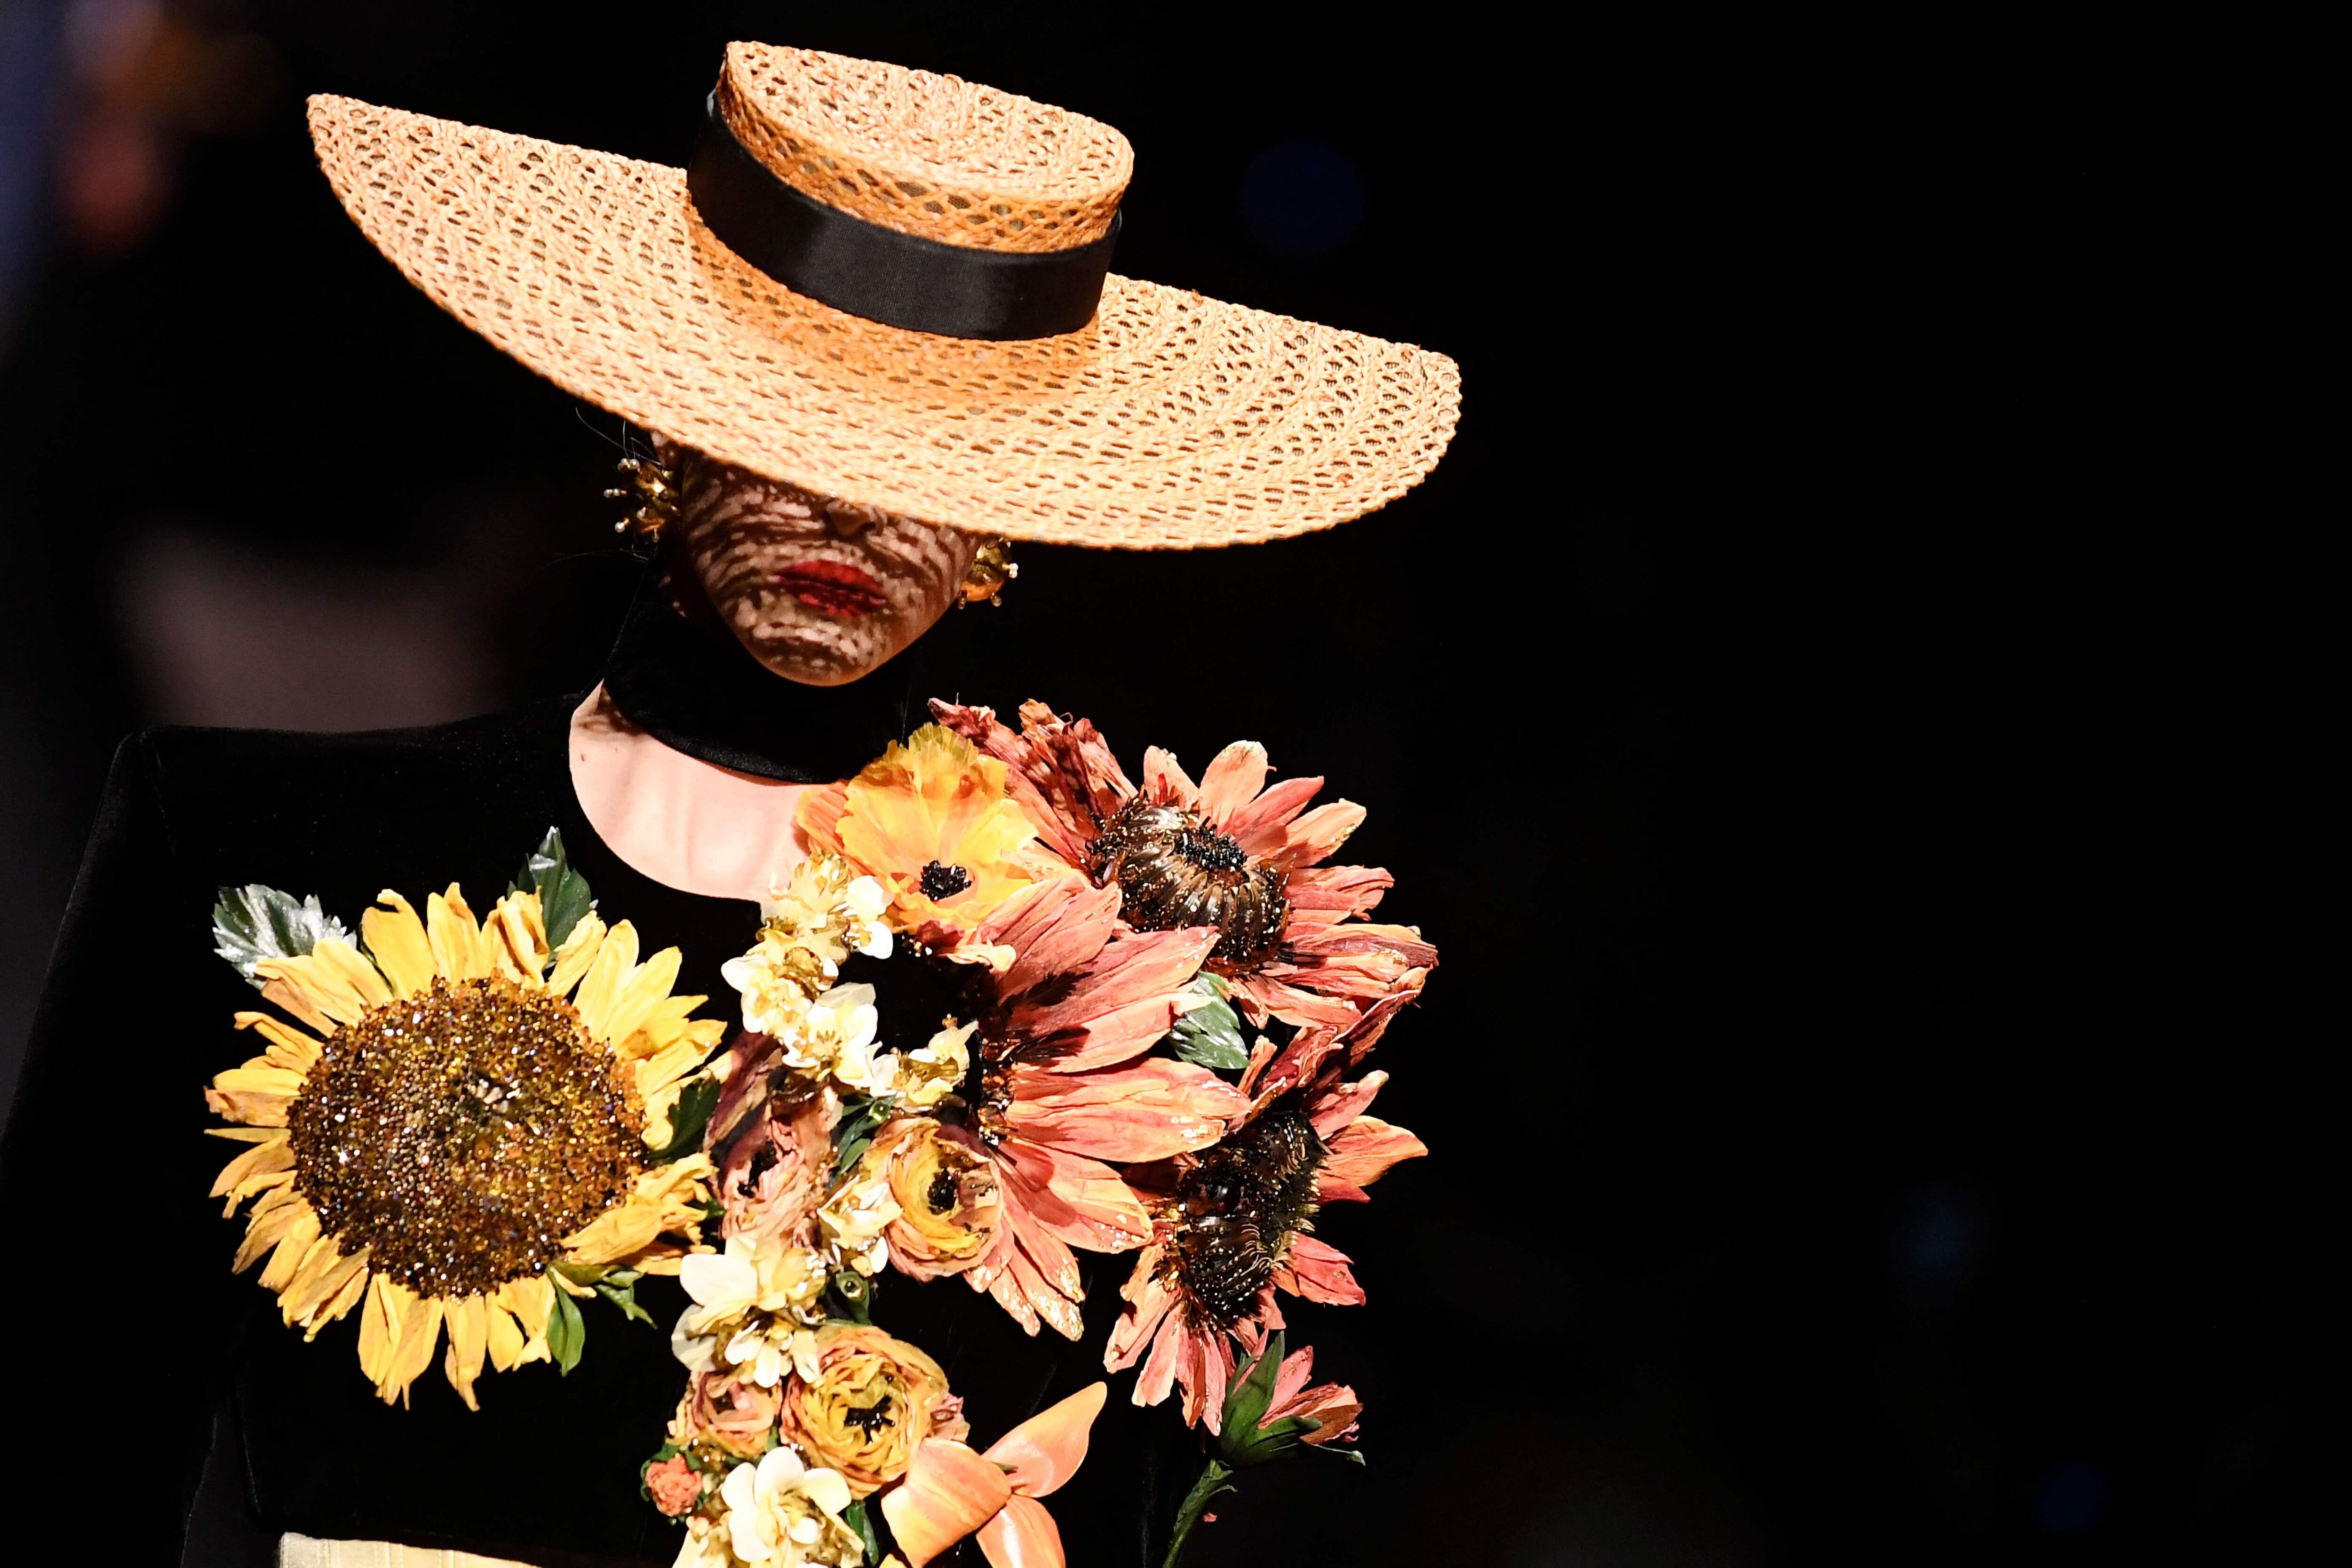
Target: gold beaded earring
991 570
654 486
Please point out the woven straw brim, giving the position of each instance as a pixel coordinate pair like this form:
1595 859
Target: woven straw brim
1170 422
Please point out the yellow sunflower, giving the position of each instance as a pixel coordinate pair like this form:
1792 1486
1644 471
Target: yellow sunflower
929 820
473 1127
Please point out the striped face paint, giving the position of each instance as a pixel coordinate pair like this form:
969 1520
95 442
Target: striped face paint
820 591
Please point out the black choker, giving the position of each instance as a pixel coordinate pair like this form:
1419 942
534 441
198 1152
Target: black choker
699 692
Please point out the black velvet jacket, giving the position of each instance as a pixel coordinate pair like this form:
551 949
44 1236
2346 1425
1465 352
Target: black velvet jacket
129 1329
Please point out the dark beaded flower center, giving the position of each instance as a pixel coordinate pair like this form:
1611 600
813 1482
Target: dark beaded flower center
1237 1209
460 1134
1210 850
1174 868
944 881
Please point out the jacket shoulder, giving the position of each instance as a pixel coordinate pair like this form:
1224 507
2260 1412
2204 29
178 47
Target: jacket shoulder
246 805
178 755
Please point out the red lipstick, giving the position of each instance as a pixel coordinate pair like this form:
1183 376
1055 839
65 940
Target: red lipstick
832 588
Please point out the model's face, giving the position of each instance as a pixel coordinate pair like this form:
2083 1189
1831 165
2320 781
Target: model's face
819 591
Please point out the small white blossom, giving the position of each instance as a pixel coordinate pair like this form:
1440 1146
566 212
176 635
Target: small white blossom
782 1512
930 1075
853 1221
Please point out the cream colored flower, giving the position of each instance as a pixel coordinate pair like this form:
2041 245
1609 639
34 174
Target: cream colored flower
837 1040
747 1300
774 979
863 901
854 1220
930 1075
813 925
784 1513
705 1545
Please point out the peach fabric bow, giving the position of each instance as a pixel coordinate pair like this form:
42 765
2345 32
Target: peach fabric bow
950 1492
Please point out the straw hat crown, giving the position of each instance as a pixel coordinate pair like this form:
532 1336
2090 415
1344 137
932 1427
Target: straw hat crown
933 156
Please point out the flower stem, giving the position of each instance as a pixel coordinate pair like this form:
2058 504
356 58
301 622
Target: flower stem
1204 1491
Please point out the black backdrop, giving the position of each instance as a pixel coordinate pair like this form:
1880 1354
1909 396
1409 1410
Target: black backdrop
1772 706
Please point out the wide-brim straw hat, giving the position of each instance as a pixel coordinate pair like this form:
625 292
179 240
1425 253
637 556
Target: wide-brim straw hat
1138 416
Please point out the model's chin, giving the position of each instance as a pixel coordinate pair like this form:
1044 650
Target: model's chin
826 652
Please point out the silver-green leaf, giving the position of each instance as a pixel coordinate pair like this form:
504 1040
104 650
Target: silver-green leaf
563 892
253 922
1210 1035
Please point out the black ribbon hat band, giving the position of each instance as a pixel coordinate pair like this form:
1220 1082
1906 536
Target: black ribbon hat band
899 280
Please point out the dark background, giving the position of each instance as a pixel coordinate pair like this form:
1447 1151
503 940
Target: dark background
1864 1091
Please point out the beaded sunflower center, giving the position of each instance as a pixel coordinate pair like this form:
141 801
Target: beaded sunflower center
461 1134
1237 1209
1174 868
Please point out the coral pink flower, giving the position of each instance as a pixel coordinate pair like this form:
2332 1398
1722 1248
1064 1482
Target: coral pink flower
1232 1222
951 1493
1332 1406
1062 1096
774 1154
1229 851
676 1486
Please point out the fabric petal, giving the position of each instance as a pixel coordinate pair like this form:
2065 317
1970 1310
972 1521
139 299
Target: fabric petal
1084 1201
503 1337
396 937
1056 929
1021 1535
455 939
420 1330
1130 970
351 969
1320 895
615 960
638 994
577 954
468 1342
289 1048
1344 1104
949 1492
1127 1115
1319 1273
1260 828
1149 1304
1316 836
1234 777
1047 1450
1364 1151
1165 780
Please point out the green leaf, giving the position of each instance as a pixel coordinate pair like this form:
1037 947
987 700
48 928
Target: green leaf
562 891
1246 1399
624 1295
854 1517
1210 1035
253 922
688 1118
860 1120
566 1334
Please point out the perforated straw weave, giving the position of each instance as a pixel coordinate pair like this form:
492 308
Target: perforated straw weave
929 155
1171 421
